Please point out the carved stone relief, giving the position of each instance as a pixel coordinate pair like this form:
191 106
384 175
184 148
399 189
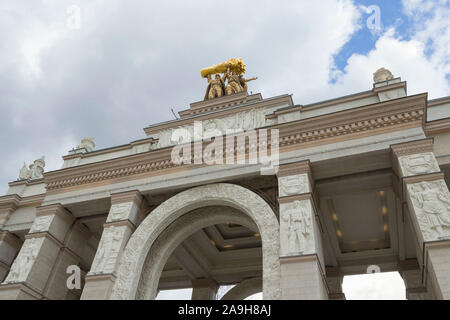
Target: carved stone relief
108 250
295 184
120 211
418 164
246 120
42 223
431 205
21 266
296 228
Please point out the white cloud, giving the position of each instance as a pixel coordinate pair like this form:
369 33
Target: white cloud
376 286
423 60
129 63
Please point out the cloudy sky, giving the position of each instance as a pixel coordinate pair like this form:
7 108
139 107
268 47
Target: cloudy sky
127 63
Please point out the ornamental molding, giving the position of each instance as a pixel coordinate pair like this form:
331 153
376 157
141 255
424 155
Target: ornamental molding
288 169
127 196
437 126
413 147
344 125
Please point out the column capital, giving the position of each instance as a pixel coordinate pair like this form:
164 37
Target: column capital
56 209
412 147
127 196
127 205
414 158
293 168
9 203
53 219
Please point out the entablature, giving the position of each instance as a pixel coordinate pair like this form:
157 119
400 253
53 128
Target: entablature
385 117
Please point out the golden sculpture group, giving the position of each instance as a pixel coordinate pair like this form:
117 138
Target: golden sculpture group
232 70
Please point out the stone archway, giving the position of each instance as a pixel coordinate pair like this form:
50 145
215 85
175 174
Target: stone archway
175 234
244 289
221 194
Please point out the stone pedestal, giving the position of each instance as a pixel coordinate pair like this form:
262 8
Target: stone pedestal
413 278
302 279
301 257
204 289
334 283
124 215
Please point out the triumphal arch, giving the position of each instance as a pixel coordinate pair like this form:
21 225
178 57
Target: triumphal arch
261 193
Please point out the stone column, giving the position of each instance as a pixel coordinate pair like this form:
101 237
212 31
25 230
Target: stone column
412 276
124 216
74 245
34 265
428 200
204 289
334 281
9 247
301 257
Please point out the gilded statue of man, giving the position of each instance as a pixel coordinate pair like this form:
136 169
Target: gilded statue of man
236 82
216 87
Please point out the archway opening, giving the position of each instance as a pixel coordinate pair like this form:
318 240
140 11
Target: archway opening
374 286
224 253
151 245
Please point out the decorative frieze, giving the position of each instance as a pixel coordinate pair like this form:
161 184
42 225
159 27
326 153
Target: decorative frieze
247 120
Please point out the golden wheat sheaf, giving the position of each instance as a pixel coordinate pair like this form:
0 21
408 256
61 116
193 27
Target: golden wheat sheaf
235 64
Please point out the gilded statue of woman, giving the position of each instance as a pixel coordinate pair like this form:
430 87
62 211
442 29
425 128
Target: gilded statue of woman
216 87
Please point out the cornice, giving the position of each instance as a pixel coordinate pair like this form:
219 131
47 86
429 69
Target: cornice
437 126
412 147
439 101
109 150
344 99
26 182
390 87
127 196
289 169
343 125
54 209
11 202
